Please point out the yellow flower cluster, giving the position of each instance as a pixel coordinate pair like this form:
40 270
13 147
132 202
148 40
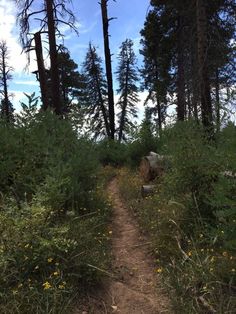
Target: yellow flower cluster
46 285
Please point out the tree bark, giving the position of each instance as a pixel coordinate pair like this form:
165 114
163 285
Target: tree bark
206 104
41 70
4 73
217 105
158 101
181 103
105 22
56 99
194 81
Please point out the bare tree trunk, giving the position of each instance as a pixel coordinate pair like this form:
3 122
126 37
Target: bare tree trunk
217 89
56 99
5 108
158 101
5 91
206 104
159 115
41 70
181 103
105 22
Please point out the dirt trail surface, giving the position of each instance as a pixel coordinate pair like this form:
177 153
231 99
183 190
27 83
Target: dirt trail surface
135 287
135 291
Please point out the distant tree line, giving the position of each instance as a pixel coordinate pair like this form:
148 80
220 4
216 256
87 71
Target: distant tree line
188 49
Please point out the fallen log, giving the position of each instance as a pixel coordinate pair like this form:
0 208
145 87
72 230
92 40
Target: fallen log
147 190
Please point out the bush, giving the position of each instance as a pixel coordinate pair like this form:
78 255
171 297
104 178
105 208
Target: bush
53 216
192 219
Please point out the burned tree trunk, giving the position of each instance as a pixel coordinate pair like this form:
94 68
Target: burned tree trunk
41 70
105 22
5 76
54 72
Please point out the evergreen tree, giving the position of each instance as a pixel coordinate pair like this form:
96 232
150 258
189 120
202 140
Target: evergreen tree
70 79
157 51
192 41
5 77
127 78
95 100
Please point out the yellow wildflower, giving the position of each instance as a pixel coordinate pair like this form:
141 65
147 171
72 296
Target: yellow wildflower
50 259
159 270
56 273
46 285
189 253
61 286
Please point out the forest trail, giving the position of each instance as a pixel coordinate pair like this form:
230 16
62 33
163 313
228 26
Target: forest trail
134 286
136 289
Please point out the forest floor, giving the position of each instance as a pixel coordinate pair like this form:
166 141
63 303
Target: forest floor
134 286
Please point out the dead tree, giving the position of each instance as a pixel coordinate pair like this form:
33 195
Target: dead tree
41 70
105 22
5 76
50 15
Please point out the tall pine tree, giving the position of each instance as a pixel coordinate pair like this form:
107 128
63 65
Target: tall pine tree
127 78
94 101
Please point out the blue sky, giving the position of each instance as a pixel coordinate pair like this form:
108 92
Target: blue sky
129 14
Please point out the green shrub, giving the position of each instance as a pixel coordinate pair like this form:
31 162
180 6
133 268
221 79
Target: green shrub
192 219
53 216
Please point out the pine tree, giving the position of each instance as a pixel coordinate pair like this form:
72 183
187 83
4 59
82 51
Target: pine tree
127 78
71 81
95 100
193 39
157 51
5 77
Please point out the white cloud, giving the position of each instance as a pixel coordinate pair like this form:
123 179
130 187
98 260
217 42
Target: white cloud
29 83
18 97
18 59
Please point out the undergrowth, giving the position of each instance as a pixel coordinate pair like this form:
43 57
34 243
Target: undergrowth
54 216
191 219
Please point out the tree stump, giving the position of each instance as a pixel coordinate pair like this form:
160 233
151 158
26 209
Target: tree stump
152 166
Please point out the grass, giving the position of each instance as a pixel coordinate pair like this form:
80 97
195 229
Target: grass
198 270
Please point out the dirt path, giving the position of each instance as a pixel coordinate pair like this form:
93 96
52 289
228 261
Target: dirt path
135 291
135 287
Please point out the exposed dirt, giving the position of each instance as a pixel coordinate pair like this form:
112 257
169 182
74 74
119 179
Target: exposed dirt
135 287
